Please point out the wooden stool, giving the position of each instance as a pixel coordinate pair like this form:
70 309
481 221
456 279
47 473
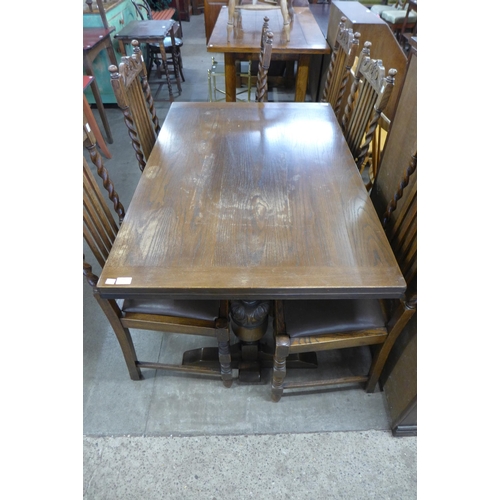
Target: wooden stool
282 5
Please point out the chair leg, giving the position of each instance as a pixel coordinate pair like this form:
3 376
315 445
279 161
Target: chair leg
225 364
279 366
112 312
400 319
150 62
179 60
224 351
177 69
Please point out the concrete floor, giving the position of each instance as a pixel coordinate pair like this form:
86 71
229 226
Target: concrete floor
181 437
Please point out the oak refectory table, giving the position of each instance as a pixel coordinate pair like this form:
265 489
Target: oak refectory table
251 202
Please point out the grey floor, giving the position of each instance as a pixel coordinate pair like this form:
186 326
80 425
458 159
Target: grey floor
182 437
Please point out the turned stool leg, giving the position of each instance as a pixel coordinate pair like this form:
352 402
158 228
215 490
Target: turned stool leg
230 18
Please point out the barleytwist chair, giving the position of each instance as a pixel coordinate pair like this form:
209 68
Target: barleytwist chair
133 96
264 62
192 317
172 43
343 55
368 97
320 325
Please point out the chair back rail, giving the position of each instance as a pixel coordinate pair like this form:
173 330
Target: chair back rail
341 61
99 226
90 144
402 233
369 95
396 179
365 53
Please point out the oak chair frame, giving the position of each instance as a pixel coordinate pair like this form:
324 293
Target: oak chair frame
343 56
99 231
402 234
133 96
368 97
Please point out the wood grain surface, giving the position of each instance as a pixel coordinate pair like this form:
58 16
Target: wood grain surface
251 200
305 34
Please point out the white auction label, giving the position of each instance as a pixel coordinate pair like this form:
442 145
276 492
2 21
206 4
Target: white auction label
123 281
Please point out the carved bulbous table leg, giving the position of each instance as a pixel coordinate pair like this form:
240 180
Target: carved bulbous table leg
249 320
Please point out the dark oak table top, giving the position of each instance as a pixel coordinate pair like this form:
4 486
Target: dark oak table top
144 30
251 201
305 34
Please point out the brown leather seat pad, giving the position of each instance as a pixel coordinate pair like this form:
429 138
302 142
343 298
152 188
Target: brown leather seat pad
304 318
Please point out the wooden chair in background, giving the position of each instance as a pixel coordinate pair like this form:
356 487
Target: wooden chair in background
264 62
320 325
191 317
368 97
409 25
133 96
399 16
343 55
378 8
157 15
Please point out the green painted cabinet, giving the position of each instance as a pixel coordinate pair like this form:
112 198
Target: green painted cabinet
118 14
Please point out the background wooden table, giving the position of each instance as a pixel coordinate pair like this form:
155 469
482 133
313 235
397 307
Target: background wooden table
87 112
94 41
149 31
306 39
